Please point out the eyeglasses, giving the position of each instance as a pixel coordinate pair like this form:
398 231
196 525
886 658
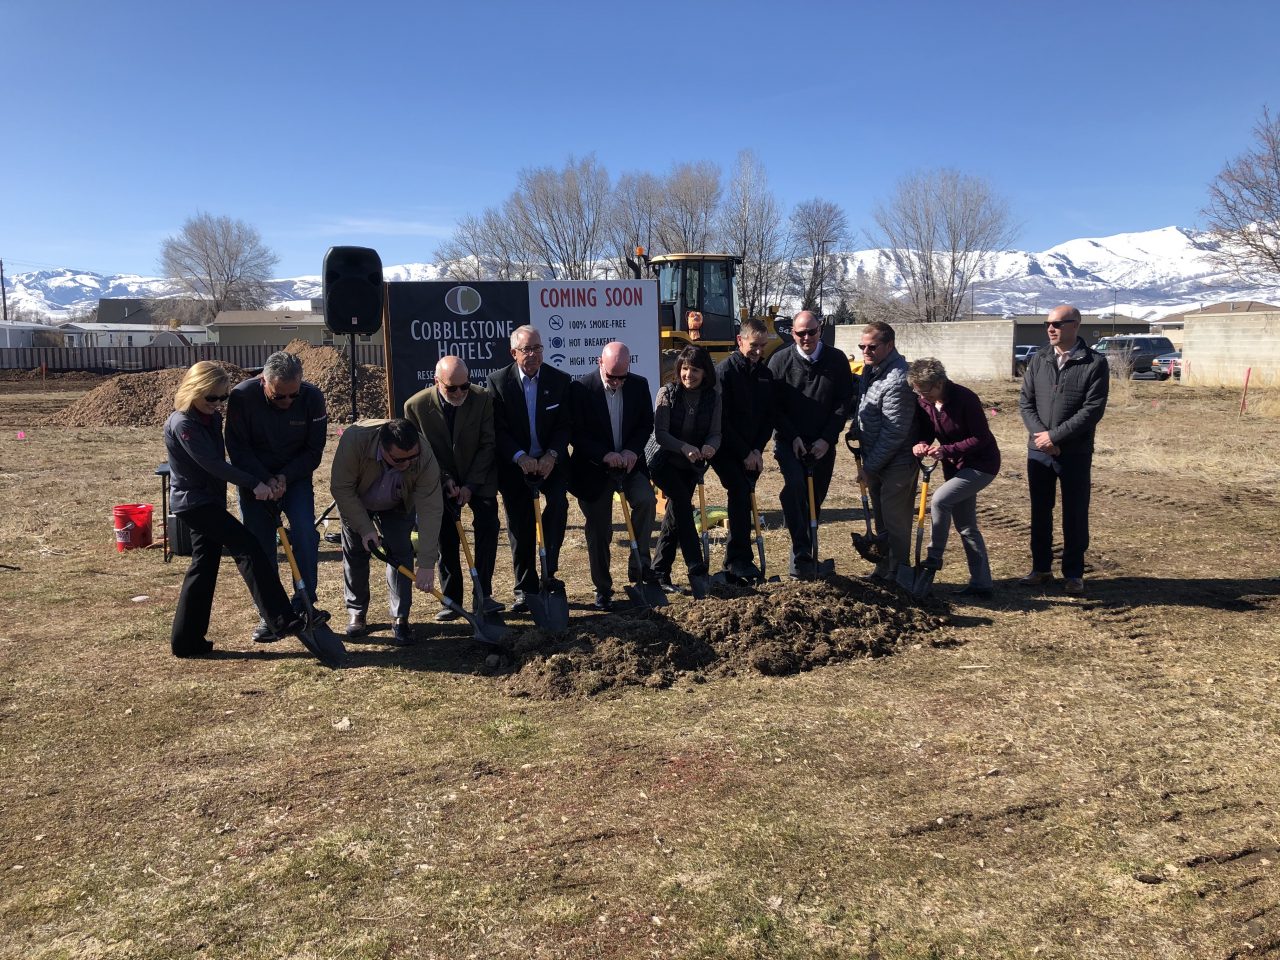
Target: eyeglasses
527 351
401 460
287 396
811 332
456 387
616 377
866 347
219 398
1058 324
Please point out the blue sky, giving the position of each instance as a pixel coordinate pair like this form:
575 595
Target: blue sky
380 124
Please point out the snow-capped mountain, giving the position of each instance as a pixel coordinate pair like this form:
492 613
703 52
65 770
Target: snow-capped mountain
1145 275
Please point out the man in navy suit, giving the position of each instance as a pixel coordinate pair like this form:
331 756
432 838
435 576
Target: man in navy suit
613 418
531 419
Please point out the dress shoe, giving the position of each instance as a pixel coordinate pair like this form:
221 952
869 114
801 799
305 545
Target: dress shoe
200 648
493 606
356 625
520 606
262 633
663 579
446 614
976 593
1075 586
402 634
1036 578
603 601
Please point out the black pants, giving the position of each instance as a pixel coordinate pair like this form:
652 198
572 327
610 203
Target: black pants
795 498
677 523
517 501
1075 475
213 532
484 543
737 487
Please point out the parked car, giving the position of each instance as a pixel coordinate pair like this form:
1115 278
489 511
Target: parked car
1133 353
1168 364
1022 355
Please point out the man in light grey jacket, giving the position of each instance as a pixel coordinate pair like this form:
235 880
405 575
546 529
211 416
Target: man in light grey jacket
886 427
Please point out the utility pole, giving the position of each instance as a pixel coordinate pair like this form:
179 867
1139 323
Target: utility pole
4 297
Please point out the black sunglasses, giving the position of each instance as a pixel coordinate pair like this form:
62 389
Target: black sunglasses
804 333
1057 324
456 387
864 347
616 377
287 396
406 459
219 398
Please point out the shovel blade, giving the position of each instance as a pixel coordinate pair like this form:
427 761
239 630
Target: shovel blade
870 549
923 584
324 645
647 594
826 568
700 587
549 610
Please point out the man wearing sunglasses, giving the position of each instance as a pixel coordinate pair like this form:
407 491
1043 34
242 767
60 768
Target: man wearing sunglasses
1064 395
813 397
384 477
455 417
276 431
886 427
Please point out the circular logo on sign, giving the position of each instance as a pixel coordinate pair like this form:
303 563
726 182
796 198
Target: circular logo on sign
557 343
462 300
555 321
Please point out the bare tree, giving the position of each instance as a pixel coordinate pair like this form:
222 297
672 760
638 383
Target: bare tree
751 227
562 216
1244 204
818 228
221 261
941 228
487 247
690 205
637 205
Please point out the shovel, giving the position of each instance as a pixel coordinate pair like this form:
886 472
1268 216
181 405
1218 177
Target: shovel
755 518
923 581
816 568
327 648
644 591
488 634
869 546
479 602
550 607
700 584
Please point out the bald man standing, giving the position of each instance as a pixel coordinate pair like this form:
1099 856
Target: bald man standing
613 418
456 418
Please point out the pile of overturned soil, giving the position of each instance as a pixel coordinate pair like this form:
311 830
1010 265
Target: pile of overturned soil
330 370
771 630
9 375
130 400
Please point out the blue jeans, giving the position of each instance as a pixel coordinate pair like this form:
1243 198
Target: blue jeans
299 506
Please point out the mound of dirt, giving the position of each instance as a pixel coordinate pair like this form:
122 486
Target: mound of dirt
130 400
10 375
330 370
773 630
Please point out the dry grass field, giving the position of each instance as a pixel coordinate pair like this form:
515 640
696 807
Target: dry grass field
1039 776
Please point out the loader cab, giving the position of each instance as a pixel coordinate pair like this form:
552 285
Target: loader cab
698 296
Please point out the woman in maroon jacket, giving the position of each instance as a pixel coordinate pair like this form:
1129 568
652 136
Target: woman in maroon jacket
954 429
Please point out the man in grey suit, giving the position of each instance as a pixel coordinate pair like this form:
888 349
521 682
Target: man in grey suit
456 418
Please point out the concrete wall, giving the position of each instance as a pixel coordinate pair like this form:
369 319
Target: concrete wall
970 350
1217 348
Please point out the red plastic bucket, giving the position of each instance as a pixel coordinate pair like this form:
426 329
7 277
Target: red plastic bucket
133 526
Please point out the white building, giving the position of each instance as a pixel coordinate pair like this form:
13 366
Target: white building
126 334
15 333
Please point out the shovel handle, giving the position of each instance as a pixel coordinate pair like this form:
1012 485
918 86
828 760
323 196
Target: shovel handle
406 572
294 570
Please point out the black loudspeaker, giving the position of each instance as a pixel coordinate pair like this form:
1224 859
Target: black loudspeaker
352 290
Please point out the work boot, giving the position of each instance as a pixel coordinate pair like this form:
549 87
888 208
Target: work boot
401 633
1036 578
356 625
262 633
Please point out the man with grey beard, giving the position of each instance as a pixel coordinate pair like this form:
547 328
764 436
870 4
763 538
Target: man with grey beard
456 418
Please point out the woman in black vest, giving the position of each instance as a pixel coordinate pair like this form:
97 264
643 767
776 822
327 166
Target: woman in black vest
686 435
